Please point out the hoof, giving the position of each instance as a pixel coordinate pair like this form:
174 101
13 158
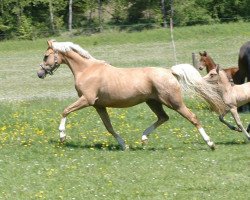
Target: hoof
144 142
62 139
62 136
124 147
211 145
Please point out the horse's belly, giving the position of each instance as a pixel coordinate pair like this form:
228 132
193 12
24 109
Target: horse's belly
121 102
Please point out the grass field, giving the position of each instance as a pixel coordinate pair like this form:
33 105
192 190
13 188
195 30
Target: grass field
176 164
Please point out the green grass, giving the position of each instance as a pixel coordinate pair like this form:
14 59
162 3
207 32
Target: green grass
176 164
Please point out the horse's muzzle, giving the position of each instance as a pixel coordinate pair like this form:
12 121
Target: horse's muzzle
41 73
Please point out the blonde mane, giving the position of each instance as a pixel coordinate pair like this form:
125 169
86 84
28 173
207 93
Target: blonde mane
69 46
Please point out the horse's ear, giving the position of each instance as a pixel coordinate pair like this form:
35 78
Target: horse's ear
205 53
49 42
200 53
217 68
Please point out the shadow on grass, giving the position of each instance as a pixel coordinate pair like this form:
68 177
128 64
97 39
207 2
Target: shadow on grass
78 145
233 142
100 146
116 147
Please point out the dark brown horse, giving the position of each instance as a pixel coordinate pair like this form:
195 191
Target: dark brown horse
244 63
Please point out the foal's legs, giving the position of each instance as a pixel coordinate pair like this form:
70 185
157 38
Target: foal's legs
221 118
106 121
157 108
238 122
80 103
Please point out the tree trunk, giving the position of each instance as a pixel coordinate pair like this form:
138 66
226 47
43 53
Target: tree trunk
2 6
51 16
100 14
164 13
70 15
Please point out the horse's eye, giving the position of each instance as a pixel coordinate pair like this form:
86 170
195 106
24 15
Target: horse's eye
45 57
211 75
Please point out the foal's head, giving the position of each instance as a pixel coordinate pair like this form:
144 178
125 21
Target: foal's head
51 61
213 76
206 61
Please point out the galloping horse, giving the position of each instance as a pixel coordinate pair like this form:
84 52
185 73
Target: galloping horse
101 85
206 61
233 95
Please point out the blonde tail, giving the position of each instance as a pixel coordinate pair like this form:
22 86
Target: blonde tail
192 82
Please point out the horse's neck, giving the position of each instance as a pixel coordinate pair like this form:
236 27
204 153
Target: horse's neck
76 62
211 64
224 83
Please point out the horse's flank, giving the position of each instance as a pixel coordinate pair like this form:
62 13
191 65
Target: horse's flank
123 87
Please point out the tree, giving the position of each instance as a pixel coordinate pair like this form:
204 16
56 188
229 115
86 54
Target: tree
164 13
70 15
100 14
190 13
51 14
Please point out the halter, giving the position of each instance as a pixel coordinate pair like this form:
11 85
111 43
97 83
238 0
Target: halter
53 67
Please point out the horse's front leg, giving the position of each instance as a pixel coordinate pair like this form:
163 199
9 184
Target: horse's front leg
238 122
102 111
80 103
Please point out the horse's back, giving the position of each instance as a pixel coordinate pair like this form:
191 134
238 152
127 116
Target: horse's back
125 87
242 93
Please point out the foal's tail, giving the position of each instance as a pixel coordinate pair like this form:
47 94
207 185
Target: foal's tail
192 82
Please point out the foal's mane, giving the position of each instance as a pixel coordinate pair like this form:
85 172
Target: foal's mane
69 46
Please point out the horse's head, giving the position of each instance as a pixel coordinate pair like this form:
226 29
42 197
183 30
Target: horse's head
51 61
203 62
213 76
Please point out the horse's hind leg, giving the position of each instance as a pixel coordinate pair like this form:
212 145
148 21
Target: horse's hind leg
107 123
157 108
238 122
185 112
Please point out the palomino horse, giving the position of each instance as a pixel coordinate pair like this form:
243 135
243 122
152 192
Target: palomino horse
101 85
233 95
206 61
